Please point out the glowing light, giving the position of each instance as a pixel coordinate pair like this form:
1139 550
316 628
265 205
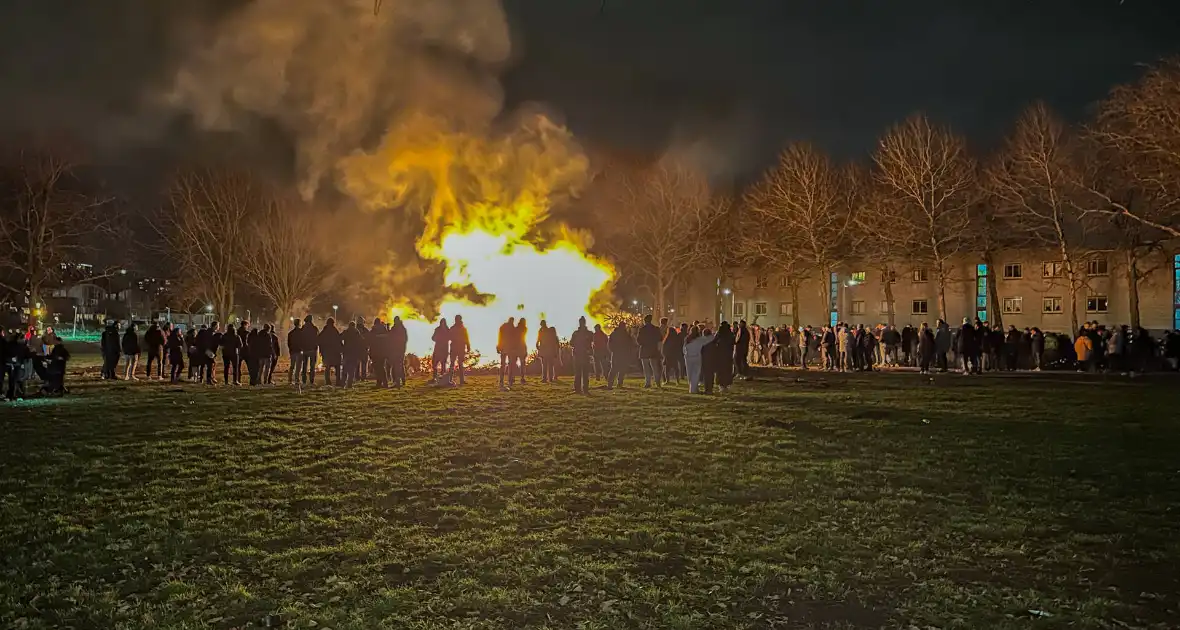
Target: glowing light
208 308
726 291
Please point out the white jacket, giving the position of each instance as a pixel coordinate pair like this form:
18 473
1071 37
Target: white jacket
692 349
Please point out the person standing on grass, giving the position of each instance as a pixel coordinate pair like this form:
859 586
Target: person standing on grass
354 352
175 349
6 359
295 351
243 336
379 352
718 358
398 342
582 346
442 348
942 344
363 360
520 347
649 353
331 350
601 353
504 348
309 346
275 350
621 348
673 352
204 348
153 341
460 341
548 351
741 348
694 344
215 335
231 354
926 348
111 348
130 353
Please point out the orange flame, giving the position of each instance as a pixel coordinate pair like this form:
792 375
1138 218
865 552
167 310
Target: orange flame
482 200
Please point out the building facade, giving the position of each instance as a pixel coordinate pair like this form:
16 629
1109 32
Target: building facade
1030 289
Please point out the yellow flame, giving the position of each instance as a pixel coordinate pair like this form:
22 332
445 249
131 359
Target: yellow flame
482 199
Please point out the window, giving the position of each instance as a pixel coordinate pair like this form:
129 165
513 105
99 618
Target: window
737 283
782 282
785 308
1097 267
1051 305
886 306
1096 304
921 275
759 308
858 307
1013 271
739 309
919 307
1051 269
761 282
858 277
1013 305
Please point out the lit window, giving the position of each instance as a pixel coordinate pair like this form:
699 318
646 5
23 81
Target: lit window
782 282
858 276
1096 304
1013 271
1097 267
1052 269
760 308
919 307
785 308
1013 305
1051 305
858 307
761 282
739 309
921 275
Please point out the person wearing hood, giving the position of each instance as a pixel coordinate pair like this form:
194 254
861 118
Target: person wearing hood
717 358
131 352
399 340
601 353
154 340
582 347
255 355
174 347
442 348
460 341
942 344
548 351
295 350
309 346
621 348
694 344
649 341
331 350
109 342
355 351
231 357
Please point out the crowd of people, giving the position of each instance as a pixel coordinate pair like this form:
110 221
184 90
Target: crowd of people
704 356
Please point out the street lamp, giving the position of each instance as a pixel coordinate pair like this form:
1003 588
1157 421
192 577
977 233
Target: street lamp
75 321
208 308
335 311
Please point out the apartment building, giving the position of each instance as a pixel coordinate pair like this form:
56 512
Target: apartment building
1030 290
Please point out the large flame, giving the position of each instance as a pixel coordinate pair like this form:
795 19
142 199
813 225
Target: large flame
485 203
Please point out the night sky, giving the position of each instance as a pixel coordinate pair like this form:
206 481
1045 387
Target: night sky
735 79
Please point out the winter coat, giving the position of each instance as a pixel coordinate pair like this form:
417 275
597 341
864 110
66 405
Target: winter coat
130 342
620 342
153 339
694 348
942 339
548 345
649 341
1083 347
330 345
582 342
353 343
295 340
231 346
399 338
460 340
601 343
110 341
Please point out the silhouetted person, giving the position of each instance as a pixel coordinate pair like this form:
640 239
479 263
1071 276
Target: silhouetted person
231 357
460 346
442 349
504 347
520 347
275 351
175 349
153 340
204 355
398 340
244 337
548 351
650 341
131 352
331 350
718 359
673 352
363 362
354 352
601 353
311 343
379 352
622 346
295 350
109 343
741 349
582 347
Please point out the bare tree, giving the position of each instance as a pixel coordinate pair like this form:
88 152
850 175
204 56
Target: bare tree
1034 180
51 220
285 261
670 212
204 227
811 204
926 174
1142 122
874 241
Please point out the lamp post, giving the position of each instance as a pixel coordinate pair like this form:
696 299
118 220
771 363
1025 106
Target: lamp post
168 314
335 311
75 321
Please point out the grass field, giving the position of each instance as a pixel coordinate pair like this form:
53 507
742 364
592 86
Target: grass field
886 501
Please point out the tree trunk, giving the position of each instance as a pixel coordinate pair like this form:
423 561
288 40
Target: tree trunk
995 313
795 304
34 300
825 291
1133 287
282 325
1073 308
940 277
887 278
